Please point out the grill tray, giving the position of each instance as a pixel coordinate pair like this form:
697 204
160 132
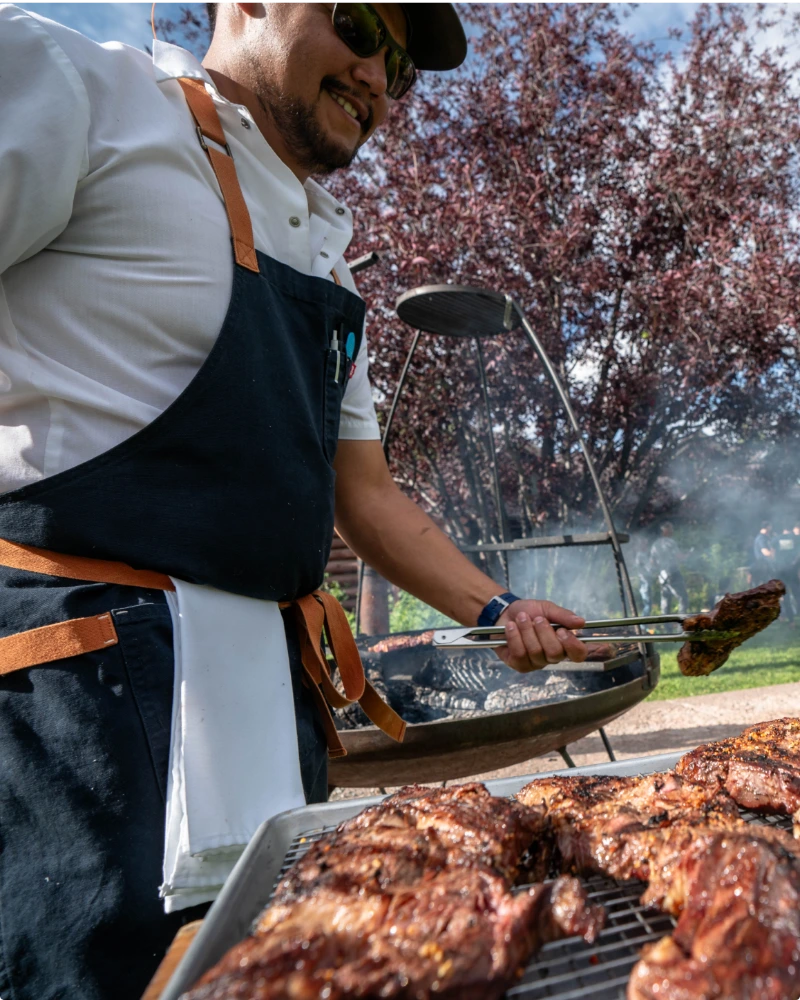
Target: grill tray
562 970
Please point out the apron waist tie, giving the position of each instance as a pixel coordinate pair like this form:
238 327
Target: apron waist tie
321 614
316 615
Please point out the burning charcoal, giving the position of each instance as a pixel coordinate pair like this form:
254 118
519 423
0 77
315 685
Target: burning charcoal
515 696
463 701
470 670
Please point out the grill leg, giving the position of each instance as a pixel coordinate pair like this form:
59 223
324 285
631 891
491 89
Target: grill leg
566 757
606 743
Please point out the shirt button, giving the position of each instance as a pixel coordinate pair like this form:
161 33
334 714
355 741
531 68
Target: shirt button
245 123
340 211
323 254
294 221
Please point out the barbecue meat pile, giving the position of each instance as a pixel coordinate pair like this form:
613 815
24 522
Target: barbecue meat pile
745 613
412 899
759 769
738 935
734 885
409 899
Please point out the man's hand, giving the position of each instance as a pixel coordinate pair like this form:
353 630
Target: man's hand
532 642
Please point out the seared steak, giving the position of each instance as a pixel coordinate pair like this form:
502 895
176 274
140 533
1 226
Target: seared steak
460 935
394 642
735 886
759 769
738 935
745 613
613 825
409 899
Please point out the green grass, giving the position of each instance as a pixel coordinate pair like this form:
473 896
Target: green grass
772 657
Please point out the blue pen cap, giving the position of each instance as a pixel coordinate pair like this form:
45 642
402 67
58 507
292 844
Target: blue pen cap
350 346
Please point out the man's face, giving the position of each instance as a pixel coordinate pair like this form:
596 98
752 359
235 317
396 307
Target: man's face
303 74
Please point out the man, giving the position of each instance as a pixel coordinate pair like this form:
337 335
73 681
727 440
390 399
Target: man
665 557
787 556
643 567
763 554
181 352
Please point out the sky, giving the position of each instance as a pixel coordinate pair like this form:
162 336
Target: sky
129 22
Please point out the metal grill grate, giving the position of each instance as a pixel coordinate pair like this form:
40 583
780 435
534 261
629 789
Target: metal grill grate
571 969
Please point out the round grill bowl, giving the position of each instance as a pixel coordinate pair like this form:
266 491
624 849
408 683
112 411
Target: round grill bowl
457 748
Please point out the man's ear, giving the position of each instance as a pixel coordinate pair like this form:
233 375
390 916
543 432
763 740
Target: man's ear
252 9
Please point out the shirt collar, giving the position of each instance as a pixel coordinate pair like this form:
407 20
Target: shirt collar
171 62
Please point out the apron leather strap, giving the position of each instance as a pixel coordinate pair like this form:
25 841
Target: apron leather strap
56 642
204 111
33 560
318 614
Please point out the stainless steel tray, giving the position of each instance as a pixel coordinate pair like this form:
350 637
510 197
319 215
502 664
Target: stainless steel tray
564 969
457 748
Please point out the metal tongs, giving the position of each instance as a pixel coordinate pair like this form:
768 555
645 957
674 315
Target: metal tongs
493 636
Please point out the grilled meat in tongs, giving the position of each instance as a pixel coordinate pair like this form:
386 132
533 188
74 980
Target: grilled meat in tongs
709 638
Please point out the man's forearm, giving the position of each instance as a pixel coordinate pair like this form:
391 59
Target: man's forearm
404 545
392 534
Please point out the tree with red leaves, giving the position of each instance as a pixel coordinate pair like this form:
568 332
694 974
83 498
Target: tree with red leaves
642 209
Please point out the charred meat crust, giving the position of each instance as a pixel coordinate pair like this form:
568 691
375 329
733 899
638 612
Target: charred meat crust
745 613
760 769
734 885
409 899
738 933
613 825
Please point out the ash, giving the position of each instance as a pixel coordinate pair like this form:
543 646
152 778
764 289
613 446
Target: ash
423 683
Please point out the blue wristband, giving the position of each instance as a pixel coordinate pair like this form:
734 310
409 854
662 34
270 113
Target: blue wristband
495 608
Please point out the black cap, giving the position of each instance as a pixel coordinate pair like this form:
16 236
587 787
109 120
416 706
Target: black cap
437 38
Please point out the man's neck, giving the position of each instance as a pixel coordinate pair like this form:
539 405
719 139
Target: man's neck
237 93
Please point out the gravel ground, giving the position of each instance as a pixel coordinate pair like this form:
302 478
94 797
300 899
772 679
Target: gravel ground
659 727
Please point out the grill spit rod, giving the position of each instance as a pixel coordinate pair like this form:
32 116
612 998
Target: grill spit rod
493 636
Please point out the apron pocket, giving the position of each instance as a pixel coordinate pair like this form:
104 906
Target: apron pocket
336 367
145 639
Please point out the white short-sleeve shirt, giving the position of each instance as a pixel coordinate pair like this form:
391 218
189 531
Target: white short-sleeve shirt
115 256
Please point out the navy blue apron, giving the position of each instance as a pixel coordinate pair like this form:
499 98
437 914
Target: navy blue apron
232 486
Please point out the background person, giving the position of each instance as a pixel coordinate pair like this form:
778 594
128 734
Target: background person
666 558
764 554
643 567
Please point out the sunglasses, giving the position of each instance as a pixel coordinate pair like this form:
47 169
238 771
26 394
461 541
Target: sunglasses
362 30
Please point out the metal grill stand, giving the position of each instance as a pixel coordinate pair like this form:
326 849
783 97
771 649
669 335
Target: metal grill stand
475 314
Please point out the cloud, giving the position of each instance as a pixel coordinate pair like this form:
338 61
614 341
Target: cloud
651 22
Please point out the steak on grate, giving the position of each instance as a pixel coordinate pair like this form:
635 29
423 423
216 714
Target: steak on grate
735 886
410 899
460 935
746 613
614 825
738 934
760 769
414 835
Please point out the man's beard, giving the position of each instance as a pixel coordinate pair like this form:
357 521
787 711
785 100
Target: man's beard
297 123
